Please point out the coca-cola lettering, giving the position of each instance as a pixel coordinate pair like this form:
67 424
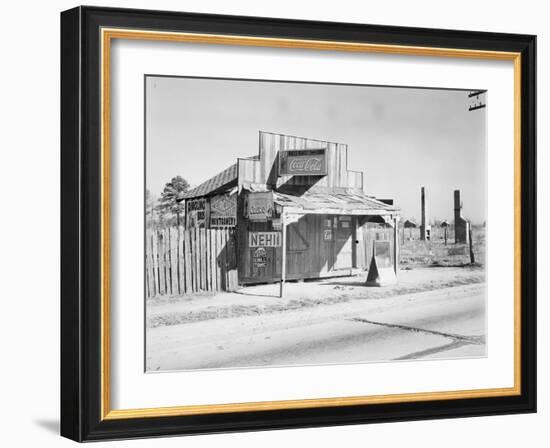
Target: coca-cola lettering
313 164
304 162
259 206
257 210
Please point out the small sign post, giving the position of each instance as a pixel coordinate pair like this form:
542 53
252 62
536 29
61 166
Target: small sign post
381 272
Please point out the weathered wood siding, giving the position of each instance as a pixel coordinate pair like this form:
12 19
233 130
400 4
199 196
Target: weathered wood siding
179 261
265 169
310 254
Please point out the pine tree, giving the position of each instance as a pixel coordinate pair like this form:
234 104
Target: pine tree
171 198
149 208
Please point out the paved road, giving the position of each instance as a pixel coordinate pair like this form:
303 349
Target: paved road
446 323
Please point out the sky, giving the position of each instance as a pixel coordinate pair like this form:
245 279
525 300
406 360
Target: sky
401 138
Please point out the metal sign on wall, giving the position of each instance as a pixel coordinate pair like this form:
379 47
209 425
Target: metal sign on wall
303 162
196 212
259 258
259 206
223 211
264 239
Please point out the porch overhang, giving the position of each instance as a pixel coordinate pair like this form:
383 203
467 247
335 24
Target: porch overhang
351 203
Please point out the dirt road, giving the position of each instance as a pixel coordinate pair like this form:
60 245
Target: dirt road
264 299
447 322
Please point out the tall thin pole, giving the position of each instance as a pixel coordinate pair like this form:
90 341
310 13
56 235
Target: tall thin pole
395 245
472 256
283 257
423 216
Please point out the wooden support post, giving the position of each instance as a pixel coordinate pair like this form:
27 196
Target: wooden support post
395 245
354 240
283 255
472 256
445 235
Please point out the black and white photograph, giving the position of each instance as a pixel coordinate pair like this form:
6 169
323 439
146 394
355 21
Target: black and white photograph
275 224
295 223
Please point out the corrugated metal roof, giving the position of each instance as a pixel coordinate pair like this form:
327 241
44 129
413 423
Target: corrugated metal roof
224 179
341 203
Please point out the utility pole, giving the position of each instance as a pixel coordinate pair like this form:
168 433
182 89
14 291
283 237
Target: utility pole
477 102
472 256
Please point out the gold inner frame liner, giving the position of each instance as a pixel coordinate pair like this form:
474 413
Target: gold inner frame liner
107 35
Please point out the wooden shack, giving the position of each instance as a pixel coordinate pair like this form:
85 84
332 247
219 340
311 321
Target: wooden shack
297 211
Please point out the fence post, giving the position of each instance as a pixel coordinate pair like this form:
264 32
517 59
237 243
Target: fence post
187 260
180 265
472 256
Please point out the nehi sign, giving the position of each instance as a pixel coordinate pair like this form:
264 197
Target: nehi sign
264 239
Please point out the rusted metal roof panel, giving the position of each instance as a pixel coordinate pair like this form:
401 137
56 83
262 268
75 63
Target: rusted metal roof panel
341 203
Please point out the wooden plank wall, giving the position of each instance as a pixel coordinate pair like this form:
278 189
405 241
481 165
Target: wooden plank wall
179 261
264 170
338 175
309 254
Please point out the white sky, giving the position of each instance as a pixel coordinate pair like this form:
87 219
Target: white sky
401 138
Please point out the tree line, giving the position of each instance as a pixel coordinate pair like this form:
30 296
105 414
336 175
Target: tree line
168 210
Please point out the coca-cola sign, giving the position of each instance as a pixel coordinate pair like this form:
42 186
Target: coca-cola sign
259 206
303 162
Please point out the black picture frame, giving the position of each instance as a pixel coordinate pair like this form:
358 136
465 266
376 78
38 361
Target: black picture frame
81 224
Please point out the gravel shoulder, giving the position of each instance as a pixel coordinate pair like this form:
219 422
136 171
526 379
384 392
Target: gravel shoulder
263 299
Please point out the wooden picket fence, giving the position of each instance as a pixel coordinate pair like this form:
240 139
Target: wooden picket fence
180 261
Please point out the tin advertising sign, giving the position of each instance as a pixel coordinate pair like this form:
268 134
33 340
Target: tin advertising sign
196 212
259 206
303 162
223 211
264 239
